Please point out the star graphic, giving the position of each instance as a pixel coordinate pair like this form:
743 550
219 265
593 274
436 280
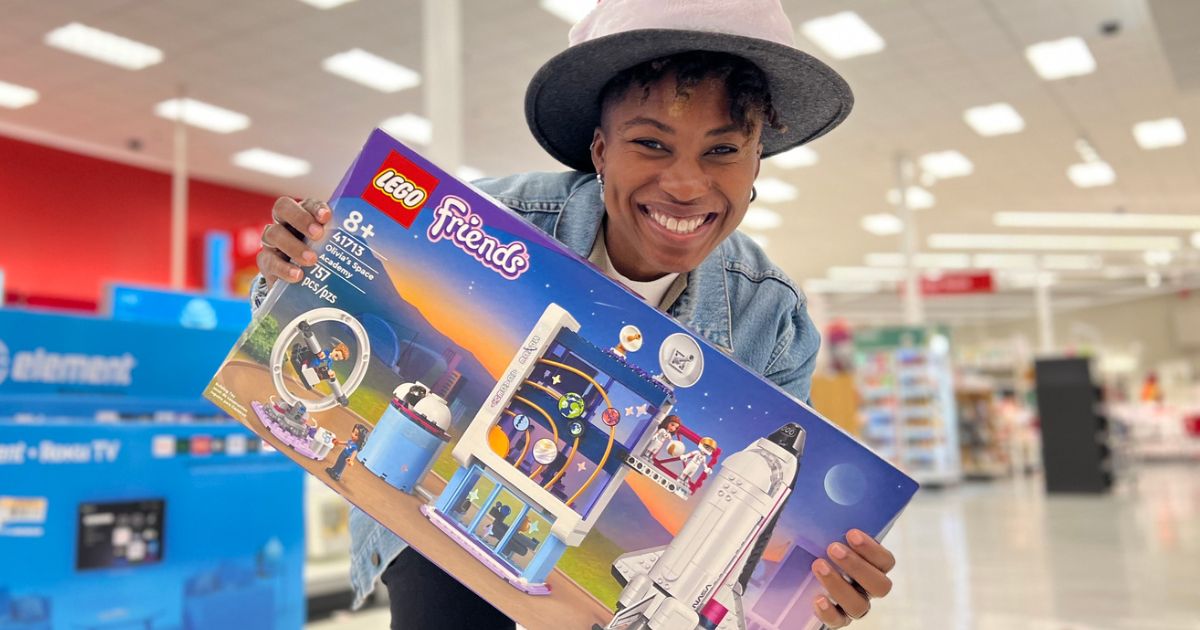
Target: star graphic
533 527
641 410
473 496
556 380
582 466
629 411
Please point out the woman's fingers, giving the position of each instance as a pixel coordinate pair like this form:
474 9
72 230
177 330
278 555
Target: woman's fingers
866 575
852 601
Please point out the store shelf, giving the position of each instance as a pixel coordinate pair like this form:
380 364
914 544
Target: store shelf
915 428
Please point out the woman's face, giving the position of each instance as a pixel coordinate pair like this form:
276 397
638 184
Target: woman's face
677 176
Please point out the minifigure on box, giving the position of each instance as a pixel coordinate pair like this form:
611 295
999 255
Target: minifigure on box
324 360
358 439
694 461
667 429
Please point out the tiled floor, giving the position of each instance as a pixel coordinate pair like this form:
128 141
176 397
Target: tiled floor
1003 556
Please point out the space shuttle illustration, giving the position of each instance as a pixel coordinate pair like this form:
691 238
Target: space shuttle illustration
693 582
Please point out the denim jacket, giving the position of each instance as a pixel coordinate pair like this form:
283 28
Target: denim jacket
737 299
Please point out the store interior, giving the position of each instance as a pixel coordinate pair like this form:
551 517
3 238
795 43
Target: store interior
1018 330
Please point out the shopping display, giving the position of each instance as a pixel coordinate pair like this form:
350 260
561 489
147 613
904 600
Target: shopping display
1075 430
123 492
514 414
87 544
907 385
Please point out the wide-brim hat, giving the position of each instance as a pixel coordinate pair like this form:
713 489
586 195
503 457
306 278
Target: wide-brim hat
562 102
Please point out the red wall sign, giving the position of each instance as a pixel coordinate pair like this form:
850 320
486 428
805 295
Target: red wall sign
957 283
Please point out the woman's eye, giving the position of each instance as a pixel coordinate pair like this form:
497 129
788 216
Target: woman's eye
649 144
724 149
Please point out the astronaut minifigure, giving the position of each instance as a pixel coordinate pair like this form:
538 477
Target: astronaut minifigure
694 461
338 351
665 432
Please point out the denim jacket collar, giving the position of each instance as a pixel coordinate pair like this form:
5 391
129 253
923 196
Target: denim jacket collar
580 220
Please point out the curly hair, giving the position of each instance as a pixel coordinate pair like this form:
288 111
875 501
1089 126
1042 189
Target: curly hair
746 84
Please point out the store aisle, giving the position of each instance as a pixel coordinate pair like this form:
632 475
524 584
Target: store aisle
1001 556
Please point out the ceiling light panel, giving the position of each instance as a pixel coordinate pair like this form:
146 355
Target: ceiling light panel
869 274
883 224
1053 242
1098 220
759 218
1019 279
371 70
843 35
924 260
795 158
1061 58
1071 262
271 163
917 198
15 96
410 128
569 11
825 285
1159 134
1091 174
326 4
103 46
468 173
946 164
759 239
996 119
772 190
1004 261
202 115
1158 257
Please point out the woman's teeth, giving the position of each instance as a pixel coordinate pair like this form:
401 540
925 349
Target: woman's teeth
678 226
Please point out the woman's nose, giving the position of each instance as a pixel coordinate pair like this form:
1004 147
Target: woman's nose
684 180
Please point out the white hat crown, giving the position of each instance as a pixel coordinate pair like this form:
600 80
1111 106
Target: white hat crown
760 19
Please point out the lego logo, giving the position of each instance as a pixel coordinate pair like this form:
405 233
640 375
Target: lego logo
394 185
400 189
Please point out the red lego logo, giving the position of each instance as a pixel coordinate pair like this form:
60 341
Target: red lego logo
400 189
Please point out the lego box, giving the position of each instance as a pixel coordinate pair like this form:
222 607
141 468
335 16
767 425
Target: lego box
576 457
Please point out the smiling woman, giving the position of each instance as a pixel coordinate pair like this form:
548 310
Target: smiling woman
663 111
678 149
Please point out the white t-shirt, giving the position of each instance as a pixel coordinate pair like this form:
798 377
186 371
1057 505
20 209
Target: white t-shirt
653 292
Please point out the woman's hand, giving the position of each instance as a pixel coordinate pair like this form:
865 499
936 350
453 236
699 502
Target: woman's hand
283 248
866 563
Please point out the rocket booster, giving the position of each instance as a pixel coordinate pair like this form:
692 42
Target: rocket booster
693 582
